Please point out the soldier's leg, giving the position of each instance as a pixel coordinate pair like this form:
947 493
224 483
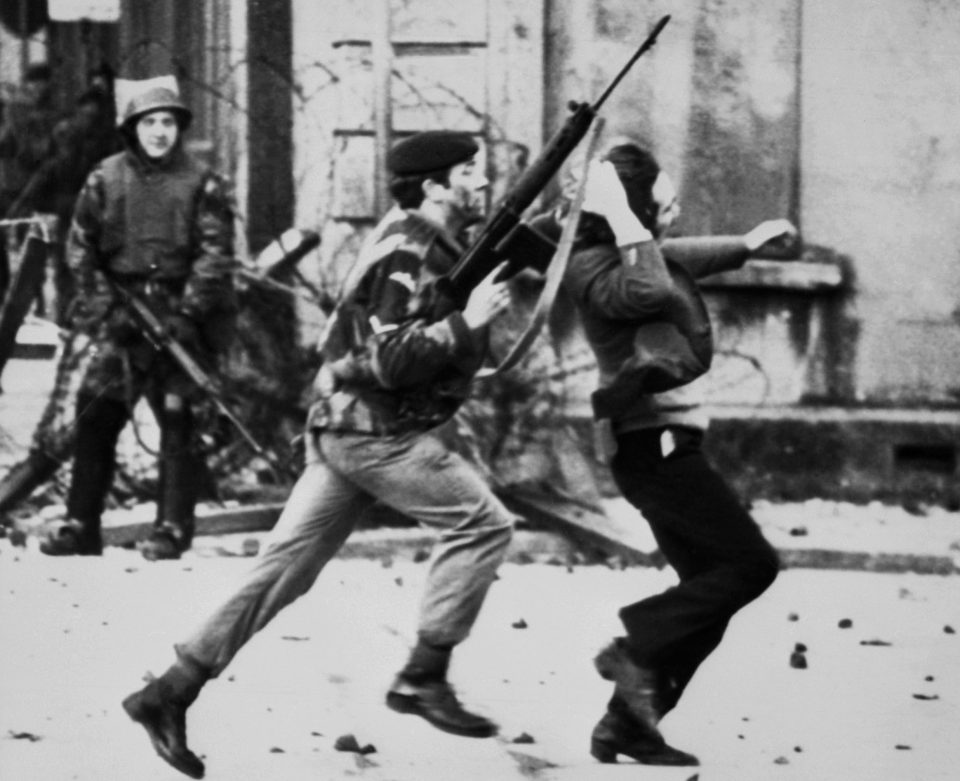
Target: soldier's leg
419 476
100 419
179 473
317 518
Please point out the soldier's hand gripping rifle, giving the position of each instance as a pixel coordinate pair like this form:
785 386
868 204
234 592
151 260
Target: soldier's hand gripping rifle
490 247
158 336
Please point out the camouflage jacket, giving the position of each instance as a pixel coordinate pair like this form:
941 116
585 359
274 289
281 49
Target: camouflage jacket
136 224
396 358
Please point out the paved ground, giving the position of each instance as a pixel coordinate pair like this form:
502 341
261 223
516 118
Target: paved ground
879 700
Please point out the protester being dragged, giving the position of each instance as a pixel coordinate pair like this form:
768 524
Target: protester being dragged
645 319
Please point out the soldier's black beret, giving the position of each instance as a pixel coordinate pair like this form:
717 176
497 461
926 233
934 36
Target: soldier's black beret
431 150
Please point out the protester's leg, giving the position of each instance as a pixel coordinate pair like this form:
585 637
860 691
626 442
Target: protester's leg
723 563
422 478
315 521
719 552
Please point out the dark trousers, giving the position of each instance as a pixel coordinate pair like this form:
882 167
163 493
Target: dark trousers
722 559
100 420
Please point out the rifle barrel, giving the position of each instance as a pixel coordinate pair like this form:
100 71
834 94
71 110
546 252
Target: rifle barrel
651 39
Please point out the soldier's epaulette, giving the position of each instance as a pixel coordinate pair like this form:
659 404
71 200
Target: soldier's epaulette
416 243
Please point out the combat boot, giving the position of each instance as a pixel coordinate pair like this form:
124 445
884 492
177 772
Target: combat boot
436 701
160 708
167 541
178 470
72 538
422 689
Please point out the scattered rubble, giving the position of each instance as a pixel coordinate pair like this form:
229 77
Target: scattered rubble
24 736
349 743
798 658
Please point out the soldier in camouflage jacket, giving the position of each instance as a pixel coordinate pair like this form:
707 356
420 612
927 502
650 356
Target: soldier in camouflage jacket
158 223
397 364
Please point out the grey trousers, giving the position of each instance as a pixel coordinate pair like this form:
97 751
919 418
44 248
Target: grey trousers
413 473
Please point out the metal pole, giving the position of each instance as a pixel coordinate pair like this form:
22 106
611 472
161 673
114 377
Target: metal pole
382 53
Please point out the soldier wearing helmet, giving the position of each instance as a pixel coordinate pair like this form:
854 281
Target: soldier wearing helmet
157 222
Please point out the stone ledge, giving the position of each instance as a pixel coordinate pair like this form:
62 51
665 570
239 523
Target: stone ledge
800 276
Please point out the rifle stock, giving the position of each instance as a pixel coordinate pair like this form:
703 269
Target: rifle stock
487 250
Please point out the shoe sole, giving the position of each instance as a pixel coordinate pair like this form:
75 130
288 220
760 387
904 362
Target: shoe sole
48 551
138 712
606 753
403 704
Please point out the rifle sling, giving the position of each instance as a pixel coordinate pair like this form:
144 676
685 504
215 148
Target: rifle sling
555 271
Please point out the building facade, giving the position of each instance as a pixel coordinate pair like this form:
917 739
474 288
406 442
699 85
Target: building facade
837 375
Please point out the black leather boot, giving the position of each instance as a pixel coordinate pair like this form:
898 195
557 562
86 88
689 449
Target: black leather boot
421 688
179 469
619 733
637 687
160 708
99 423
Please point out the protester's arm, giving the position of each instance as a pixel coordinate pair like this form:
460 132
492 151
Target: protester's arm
706 255
631 281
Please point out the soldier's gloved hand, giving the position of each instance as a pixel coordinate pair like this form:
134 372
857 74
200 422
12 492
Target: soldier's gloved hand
121 327
182 329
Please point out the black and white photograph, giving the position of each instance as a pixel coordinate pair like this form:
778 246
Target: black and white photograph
432 390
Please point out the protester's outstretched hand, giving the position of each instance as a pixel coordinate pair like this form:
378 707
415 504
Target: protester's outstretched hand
487 300
775 236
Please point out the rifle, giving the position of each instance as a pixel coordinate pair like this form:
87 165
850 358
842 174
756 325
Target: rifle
161 340
488 249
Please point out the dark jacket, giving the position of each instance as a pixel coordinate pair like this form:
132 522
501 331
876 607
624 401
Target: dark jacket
395 359
647 324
